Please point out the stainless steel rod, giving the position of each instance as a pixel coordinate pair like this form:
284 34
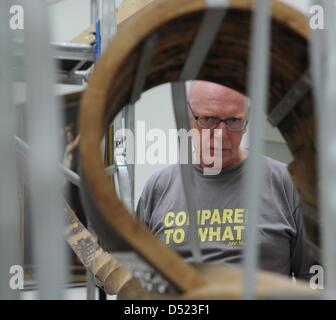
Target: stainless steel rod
258 88
43 123
10 231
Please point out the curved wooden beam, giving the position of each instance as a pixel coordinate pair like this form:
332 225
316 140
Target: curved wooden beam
130 7
108 272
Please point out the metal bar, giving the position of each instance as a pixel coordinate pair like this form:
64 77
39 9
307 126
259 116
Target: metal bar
317 54
182 121
74 79
324 66
138 87
125 180
90 280
209 27
62 50
76 67
61 77
129 115
68 51
124 185
145 59
291 99
70 175
73 177
109 22
9 204
258 88
90 284
126 119
22 189
94 12
43 123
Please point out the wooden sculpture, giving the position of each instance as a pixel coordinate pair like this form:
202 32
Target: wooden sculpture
175 23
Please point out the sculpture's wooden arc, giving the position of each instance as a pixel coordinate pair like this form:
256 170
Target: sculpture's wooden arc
176 23
108 273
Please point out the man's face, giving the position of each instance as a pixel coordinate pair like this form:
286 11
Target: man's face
213 100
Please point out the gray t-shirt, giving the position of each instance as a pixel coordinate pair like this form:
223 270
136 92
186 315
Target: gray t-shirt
222 218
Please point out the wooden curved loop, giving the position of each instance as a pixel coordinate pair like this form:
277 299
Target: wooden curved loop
176 24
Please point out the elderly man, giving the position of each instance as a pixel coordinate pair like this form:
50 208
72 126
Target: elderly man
221 215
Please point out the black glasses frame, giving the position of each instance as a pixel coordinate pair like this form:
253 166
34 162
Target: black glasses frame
197 118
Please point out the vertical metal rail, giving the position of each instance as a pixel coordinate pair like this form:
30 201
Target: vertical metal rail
129 116
10 248
109 22
108 30
323 49
90 281
258 93
210 24
90 286
125 120
44 123
129 120
187 171
95 14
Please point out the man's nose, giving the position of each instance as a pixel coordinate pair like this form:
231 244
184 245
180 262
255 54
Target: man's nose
222 129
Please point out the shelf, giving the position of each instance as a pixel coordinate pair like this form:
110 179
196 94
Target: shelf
73 61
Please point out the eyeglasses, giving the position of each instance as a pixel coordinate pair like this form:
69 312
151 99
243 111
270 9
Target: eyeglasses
232 124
